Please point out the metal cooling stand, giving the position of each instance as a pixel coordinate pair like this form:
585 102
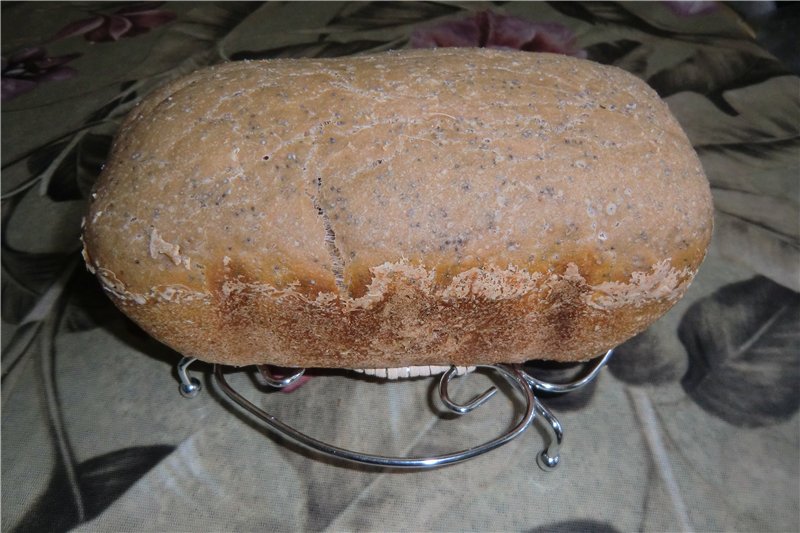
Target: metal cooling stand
523 382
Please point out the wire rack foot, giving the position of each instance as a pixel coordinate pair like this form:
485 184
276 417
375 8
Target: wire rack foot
523 383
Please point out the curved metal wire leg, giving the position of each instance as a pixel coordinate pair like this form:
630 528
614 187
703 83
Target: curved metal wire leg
511 374
545 386
471 405
549 458
279 382
189 386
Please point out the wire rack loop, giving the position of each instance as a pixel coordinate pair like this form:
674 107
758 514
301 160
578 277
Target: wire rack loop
524 383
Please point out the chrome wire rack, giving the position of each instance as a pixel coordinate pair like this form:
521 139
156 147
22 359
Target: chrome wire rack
524 383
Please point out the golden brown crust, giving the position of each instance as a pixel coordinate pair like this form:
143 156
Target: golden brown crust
421 207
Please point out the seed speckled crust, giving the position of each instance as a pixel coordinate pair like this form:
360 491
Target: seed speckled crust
420 207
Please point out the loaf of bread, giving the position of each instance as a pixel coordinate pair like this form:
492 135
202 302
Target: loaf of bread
450 206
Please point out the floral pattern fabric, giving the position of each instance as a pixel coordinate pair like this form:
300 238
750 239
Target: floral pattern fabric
693 426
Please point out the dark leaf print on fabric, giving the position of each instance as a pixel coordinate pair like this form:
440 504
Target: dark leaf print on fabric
26 276
74 177
357 16
487 29
128 21
88 306
576 526
67 169
606 14
23 71
611 52
101 480
315 49
743 352
30 306
646 359
55 510
40 159
712 71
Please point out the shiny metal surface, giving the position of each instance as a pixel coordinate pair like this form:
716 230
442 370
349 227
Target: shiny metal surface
279 382
544 386
512 375
189 386
524 383
550 457
461 409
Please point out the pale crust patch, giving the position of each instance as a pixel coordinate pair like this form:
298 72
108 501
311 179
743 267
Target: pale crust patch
173 251
662 282
162 293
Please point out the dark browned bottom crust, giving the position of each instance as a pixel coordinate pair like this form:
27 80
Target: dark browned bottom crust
404 323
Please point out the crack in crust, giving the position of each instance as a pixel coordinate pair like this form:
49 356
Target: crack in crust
337 261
